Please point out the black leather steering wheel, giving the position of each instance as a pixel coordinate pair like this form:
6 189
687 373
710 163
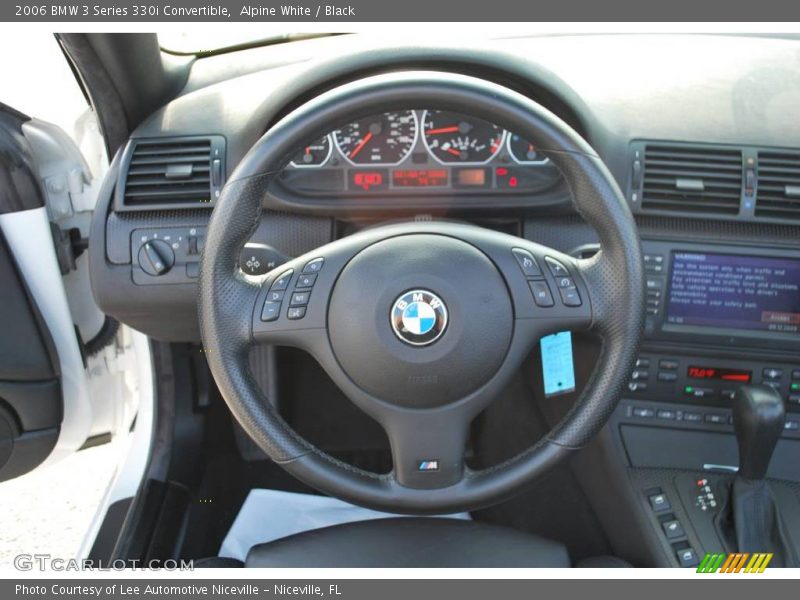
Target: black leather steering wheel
421 324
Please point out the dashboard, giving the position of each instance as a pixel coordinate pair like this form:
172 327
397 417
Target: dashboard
419 152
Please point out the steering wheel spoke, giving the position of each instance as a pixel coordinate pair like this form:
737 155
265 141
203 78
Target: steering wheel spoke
428 446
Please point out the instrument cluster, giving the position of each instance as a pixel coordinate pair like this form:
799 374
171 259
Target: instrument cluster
414 151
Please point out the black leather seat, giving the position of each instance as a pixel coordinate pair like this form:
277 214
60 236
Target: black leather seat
412 542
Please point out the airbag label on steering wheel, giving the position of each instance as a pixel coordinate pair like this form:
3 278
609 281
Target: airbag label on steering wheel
558 369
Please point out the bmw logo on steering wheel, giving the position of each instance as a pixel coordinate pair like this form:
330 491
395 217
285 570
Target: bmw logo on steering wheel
419 317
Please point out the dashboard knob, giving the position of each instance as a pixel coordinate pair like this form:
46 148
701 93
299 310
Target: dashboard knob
156 257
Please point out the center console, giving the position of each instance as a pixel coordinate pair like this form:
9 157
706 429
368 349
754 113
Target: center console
719 317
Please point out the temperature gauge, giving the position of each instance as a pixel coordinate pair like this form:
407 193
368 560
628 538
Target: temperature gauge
523 152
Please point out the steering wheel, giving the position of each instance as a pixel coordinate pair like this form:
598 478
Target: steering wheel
421 325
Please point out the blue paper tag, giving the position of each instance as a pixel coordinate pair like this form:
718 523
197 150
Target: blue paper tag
558 367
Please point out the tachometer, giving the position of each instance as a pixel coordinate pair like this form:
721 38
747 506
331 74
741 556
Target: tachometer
455 138
523 152
385 139
314 155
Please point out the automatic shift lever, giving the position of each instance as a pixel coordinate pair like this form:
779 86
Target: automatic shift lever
758 418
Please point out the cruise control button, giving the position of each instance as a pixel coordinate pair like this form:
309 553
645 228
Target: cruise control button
526 262
306 280
570 296
270 311
299 299
541 293
314 266
556 268
282 282
296 312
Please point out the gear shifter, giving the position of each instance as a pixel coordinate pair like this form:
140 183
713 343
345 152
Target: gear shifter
758 418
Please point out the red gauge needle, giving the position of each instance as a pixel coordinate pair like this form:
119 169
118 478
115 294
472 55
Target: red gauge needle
454 152
361 144
453 129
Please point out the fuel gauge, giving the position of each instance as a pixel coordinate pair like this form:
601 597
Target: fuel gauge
314 155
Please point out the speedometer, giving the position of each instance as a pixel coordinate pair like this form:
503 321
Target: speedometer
385 139
455 138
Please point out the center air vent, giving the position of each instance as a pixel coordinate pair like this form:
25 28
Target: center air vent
778 195
691 179
171 173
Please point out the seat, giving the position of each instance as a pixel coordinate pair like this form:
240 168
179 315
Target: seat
410 542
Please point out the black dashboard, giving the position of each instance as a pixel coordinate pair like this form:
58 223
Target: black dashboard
710 165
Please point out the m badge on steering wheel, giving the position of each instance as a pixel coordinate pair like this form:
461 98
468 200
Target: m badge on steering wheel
419 317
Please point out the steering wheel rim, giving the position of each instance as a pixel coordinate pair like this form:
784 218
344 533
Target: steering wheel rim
611 283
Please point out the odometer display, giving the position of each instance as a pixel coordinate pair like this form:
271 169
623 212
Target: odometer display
419 177
454 138
384 140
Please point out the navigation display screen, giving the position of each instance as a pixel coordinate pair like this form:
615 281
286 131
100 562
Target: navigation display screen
731 291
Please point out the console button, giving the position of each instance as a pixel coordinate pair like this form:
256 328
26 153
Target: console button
771 383
541 293
640 374
270 311
794 399
666 414
667 376
687 557
668 364
659 502
716 418
792 425
673 529
299 298
570 296
282 282
646 413
796 374
306 280
637 386
526 262
771 373
728 394
643 362
314 266
557 269
193 270
692 417
296 312
698 392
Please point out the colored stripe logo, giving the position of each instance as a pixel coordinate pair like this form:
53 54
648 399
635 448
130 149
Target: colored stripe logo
737 562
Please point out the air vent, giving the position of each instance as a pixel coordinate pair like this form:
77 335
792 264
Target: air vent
692 179
778 195
171 172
